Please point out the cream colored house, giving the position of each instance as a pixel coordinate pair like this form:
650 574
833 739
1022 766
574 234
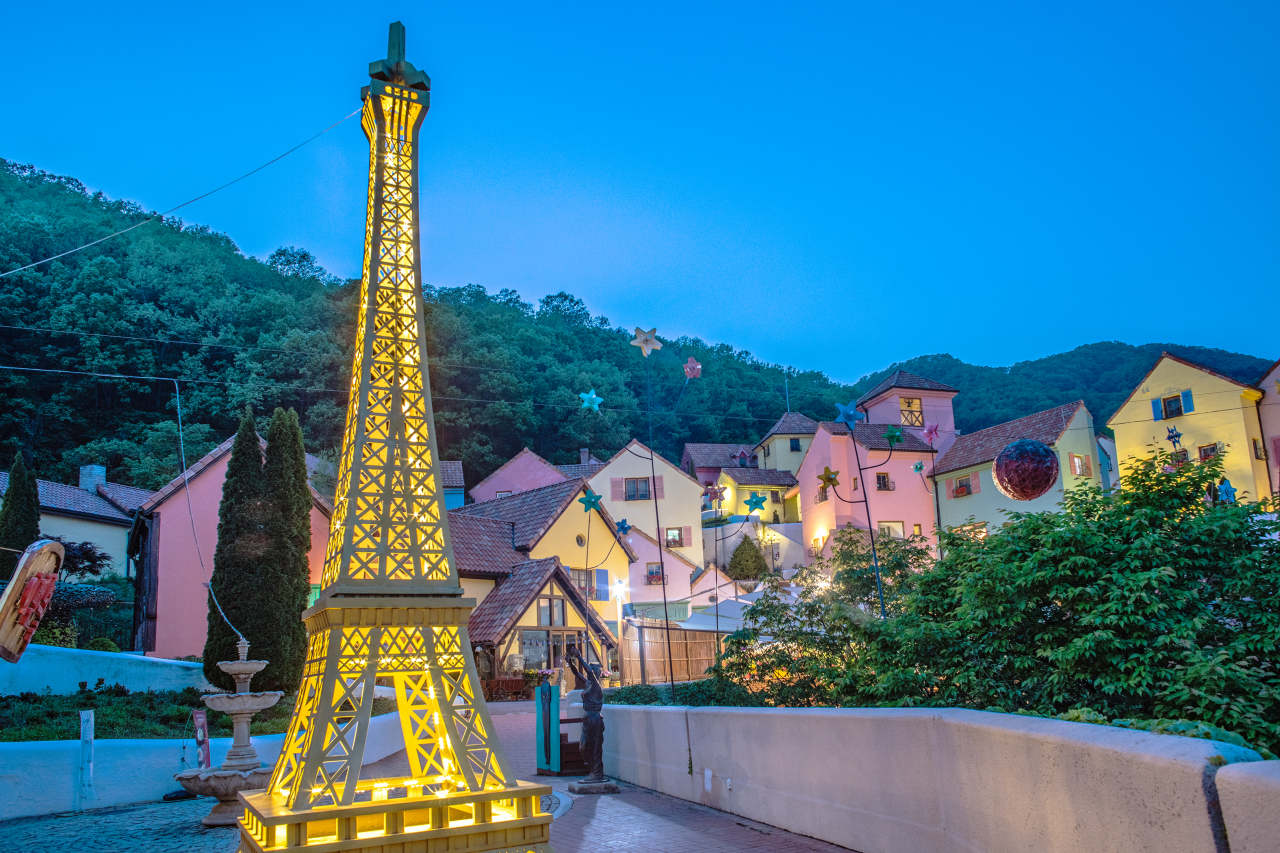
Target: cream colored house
785 444
631 486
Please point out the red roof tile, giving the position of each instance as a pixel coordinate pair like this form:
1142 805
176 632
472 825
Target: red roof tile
451 474
482 546
716 455
791 423
902 379
871 436
760 477
985 444
125 498
498 613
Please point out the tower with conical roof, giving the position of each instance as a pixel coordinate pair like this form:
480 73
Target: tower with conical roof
391 605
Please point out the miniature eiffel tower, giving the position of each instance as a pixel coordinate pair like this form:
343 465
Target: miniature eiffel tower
391 602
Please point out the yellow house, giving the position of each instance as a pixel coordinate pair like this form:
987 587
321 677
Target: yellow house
742 484
1211 413
785 444
550 521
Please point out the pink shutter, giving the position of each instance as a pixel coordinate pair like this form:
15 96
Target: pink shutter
975 482
1088 466
688 537
657 488
1275 451
617 489
951 488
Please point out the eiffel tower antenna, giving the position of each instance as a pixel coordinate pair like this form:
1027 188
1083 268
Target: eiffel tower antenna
391 604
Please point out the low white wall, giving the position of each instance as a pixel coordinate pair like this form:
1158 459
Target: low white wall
1250 797
924 780
61 671
42 777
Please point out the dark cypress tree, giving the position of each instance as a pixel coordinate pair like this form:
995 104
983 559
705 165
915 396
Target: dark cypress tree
19 516
289 536
238 566
747 563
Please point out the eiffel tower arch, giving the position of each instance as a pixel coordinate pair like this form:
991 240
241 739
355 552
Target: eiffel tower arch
391 606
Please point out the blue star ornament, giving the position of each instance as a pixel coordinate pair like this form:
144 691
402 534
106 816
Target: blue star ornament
591 401
755 503
1226 492
918 467
590 501
849 415
1174 437
623 527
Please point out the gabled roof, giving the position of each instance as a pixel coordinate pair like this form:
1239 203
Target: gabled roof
1267 373
667 552
791 423
450 474
501 608
902 379
714 455
1188 363
984 445
524 451
72 500
213 456
628 448
585 471
871 436
760 477
125 498
482 546
534 511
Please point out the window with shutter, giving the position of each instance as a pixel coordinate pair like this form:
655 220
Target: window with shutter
657 488
688 537
616 489
975 482
602 585
1157 410
951 488
1172 406
1188 405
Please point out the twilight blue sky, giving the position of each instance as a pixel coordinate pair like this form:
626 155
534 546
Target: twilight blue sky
828 186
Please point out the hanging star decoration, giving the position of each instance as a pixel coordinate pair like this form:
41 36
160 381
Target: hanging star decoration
755 503
918 467
1174 437
647 341
1226 492
692 369
590 501
930 432
893 435
828 477
849 415
623 527
591 401
715 493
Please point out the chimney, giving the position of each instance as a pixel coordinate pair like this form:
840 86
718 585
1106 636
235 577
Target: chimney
92 476
584 455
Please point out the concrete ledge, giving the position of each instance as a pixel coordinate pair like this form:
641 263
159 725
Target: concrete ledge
1250 797
925 780
61 671
42 777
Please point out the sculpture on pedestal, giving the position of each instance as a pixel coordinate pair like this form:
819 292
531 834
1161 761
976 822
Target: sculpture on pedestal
592 740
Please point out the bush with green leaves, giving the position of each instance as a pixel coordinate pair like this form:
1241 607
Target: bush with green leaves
708 692
1149 602
747 562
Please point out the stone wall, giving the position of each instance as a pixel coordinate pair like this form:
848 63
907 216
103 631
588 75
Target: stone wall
924 780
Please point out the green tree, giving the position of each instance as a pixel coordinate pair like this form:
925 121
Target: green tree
853 575
747 563
285 570
19 516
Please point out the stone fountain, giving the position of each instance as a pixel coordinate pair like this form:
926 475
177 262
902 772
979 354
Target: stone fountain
241 771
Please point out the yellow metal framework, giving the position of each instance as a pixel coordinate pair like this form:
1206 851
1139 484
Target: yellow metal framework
390 604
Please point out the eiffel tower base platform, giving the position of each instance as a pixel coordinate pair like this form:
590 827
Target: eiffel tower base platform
507 820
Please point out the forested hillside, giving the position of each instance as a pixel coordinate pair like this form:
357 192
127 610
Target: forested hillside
171 300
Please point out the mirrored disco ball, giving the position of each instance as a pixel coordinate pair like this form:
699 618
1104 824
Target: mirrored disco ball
1025 470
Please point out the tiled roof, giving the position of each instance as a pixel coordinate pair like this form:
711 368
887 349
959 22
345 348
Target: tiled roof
523 452
760 477
451 474
902 379
871 436
715 455
586 472
482 546
985 444
58 497
496 615
124 498
791 423
635 447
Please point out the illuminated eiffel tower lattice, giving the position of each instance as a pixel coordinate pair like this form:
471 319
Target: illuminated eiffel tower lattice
391 604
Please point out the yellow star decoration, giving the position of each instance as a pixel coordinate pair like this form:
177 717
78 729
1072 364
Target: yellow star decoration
828 477
647 340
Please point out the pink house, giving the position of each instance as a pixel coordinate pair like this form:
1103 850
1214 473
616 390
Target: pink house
527 470
900 500
172 545
912 402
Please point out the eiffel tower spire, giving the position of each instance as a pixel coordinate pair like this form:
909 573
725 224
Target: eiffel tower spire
390 604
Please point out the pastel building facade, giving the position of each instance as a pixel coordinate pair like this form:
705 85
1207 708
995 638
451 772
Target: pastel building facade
1269 418
962 478
912 403
785 444
1212 413
704 462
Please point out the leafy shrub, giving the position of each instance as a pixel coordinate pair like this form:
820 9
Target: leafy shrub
102 644
709 692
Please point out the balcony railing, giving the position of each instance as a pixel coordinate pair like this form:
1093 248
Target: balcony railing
885 485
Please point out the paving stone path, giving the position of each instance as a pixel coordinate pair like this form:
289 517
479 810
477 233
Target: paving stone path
636 819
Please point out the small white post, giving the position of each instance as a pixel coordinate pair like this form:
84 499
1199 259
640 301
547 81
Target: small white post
84 790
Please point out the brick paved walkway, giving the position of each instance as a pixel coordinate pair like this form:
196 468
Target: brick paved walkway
635 821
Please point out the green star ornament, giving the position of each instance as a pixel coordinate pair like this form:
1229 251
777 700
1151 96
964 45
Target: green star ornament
590 501
893 435
755 503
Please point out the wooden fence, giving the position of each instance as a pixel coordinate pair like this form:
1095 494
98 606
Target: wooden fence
642 653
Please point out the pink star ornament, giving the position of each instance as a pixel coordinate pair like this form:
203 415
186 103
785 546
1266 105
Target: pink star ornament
930 432
692 369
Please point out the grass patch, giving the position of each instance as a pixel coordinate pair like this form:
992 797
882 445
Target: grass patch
119 713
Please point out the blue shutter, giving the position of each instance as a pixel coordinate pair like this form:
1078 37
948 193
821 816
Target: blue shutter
602 584
1157 410
1188 405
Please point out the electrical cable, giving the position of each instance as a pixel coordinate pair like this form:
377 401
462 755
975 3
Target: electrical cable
184 204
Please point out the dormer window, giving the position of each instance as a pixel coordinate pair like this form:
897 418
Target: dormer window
912 411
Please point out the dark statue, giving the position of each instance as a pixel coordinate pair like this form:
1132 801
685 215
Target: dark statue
592 742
